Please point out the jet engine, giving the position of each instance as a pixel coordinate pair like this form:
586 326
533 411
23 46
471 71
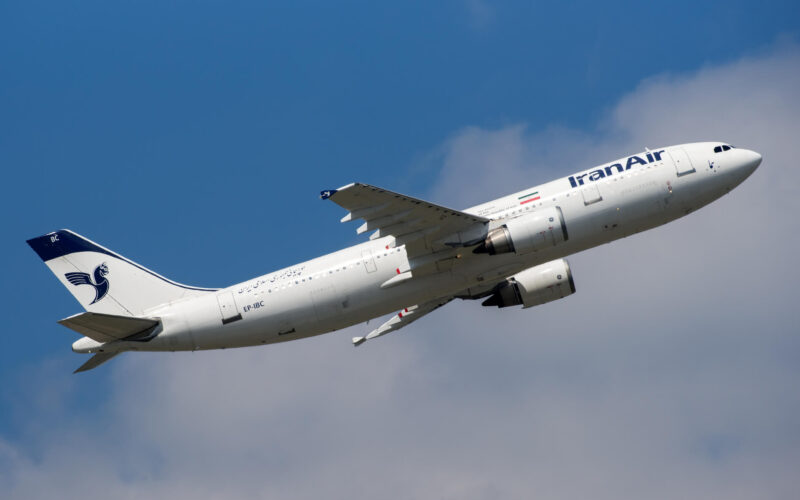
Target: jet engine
541 229
534 286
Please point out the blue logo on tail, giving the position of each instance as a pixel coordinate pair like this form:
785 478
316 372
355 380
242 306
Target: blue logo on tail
100 282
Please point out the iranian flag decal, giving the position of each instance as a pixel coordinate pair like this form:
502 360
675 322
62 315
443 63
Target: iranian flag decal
529 197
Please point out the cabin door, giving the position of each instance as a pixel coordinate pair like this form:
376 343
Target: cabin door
681 160
591 194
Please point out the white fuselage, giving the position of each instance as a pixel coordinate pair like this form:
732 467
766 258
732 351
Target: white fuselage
340 289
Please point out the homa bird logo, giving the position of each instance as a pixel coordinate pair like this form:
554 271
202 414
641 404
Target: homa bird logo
100 284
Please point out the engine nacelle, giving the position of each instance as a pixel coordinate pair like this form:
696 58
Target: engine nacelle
541 229
535 286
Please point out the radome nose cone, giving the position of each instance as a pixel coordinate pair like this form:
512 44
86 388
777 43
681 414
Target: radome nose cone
753 161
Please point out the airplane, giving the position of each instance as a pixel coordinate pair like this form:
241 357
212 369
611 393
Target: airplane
419 256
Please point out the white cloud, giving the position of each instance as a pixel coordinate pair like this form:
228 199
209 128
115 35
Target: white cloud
671 373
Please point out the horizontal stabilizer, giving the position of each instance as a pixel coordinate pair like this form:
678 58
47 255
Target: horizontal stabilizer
109 327
95 361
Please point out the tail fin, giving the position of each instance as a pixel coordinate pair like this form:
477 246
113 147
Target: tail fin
103 281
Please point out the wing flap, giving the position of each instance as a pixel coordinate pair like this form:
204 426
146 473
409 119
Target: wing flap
108 327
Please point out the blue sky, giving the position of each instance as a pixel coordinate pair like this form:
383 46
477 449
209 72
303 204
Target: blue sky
194 138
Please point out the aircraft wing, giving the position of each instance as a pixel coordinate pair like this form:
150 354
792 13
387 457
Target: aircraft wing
422 226
403 318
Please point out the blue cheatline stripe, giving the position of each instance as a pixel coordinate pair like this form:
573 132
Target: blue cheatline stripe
64 242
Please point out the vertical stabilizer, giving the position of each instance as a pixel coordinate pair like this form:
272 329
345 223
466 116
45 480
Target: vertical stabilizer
104 281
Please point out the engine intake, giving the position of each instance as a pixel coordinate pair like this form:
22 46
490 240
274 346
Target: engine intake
534 286
526 234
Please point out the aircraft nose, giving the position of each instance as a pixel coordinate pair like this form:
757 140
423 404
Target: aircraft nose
751 161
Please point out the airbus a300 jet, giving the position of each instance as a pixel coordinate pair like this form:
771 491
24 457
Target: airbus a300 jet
418 257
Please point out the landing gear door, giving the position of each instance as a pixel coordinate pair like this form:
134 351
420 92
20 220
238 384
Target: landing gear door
327 305
228 309
681 160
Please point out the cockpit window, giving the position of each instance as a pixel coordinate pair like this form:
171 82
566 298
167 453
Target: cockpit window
717 149
724 147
